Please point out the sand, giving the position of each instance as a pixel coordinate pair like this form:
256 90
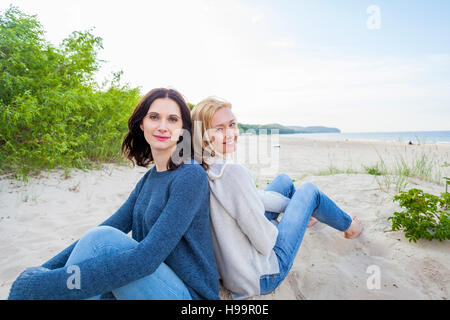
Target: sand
40 218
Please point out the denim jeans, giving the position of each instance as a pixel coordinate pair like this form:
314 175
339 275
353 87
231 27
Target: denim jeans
163 284
305 202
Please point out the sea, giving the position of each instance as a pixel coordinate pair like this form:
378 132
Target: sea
415 137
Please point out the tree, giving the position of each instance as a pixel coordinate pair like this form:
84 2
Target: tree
52 112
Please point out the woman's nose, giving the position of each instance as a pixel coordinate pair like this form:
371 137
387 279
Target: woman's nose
162 125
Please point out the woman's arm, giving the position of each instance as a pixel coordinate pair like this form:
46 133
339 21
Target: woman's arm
122 219
188 193
273 201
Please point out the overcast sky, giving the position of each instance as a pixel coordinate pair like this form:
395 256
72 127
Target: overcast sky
360 66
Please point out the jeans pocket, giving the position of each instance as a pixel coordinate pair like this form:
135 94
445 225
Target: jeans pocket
269 282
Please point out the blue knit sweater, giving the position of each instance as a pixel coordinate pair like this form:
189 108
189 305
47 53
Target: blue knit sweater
168 214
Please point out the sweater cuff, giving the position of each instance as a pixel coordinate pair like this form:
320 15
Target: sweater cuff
22 288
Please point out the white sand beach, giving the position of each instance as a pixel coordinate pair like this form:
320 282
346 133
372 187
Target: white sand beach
45 215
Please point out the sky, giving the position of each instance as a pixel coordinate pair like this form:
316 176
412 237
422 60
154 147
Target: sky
356 65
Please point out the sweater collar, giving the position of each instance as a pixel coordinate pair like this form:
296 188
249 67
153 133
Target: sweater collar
217 167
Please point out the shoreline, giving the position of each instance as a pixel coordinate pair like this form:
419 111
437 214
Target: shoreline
301 136
377 142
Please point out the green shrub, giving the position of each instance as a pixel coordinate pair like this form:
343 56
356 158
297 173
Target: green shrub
52 112
374 170
425 215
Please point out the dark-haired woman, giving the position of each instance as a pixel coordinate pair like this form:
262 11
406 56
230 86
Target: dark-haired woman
170 254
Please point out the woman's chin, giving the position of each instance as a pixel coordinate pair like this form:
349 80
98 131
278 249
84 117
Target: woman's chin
161 145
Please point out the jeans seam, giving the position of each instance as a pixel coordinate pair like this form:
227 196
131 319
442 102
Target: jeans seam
272 278
286 260
169 289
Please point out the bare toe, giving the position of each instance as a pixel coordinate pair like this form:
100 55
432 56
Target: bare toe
355 229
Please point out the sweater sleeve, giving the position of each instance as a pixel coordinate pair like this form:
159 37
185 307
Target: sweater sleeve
122 219
238 194
273 201
103 273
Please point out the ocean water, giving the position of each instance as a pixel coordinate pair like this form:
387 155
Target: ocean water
416 137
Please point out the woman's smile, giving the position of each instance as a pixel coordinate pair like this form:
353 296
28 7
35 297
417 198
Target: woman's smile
161 138
229 143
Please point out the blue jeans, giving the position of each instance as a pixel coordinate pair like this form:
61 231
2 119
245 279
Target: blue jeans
306 201
163 284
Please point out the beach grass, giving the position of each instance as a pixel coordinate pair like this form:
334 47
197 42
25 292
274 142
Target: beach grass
394 171
332 169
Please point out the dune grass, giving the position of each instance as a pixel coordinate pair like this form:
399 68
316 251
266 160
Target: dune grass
334 170
422 166
396 173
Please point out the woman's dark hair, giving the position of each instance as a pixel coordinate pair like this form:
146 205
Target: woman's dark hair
137 149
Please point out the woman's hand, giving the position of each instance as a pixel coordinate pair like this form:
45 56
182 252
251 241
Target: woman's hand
20 289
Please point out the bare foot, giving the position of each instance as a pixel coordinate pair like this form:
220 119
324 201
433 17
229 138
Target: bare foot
312 222
354 230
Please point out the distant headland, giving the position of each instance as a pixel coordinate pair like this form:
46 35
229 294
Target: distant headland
286 129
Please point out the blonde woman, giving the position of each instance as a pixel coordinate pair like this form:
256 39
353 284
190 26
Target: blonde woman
254 252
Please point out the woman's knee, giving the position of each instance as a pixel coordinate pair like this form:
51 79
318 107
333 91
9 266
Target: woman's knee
310 187
102 235
284 178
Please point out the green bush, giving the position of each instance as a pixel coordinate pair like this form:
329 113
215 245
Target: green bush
374 170
425 215
52 112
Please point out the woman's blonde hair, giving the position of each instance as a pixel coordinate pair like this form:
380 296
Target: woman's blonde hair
201 116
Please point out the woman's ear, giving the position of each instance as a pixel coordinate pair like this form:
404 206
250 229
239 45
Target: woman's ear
141 126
